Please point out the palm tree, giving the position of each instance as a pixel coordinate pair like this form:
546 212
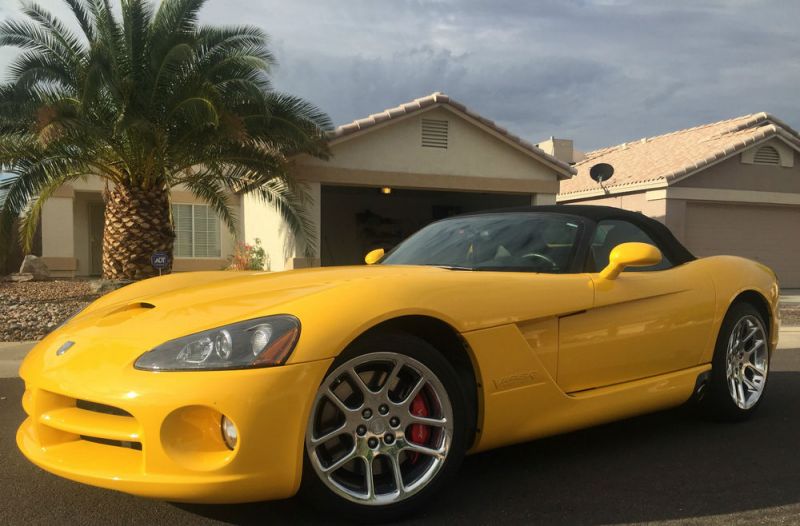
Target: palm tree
147 99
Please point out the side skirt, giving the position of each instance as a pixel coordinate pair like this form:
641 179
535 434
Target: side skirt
521 401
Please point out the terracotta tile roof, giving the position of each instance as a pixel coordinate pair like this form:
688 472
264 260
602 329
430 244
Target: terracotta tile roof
438 98
667 158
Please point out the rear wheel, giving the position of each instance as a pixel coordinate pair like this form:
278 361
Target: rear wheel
740 366
386 429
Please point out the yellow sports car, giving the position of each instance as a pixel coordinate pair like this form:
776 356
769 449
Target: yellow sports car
366 385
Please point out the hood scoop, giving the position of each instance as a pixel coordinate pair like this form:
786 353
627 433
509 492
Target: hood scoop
132 306
124 313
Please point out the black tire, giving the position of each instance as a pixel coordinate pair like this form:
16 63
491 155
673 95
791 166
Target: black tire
717 401
326 500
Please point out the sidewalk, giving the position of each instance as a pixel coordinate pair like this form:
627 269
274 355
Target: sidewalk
11 355
790 296
789 338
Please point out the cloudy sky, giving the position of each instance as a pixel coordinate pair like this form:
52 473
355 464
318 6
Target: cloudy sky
598 71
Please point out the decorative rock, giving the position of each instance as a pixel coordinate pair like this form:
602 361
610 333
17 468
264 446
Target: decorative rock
104 286
29 310
18 278
35 266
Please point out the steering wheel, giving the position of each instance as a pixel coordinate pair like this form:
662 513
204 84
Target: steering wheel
542 257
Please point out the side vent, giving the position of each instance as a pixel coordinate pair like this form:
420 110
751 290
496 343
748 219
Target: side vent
434 133
767 155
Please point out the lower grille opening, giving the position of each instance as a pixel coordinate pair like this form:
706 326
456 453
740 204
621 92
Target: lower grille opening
117 443
101 408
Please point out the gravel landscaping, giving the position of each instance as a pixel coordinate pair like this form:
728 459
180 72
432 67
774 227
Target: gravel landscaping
31 309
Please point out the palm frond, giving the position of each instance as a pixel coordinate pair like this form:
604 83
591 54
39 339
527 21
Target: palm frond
31 67
32 177
29 219
211 190
177 16
7 218
5 183
147 99
136 21
290 203
110 37
54 27
83 16
32 37
168 68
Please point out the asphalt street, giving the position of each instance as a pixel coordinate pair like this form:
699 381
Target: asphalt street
665 468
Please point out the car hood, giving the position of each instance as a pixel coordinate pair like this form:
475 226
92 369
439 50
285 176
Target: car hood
117 328
334 306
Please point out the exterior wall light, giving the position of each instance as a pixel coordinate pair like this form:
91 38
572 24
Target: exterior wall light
386 190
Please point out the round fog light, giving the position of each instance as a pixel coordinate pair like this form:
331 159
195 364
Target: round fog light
229 432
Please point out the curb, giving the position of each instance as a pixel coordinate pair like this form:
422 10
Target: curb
11 345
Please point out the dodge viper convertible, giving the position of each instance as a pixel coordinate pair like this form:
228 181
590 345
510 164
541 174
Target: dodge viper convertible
364 386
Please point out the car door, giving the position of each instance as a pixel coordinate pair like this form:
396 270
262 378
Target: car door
646 322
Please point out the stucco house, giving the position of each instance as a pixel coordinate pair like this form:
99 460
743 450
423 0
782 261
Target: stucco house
391 173
730 187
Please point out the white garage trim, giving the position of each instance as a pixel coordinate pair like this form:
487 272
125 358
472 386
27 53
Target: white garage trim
720 195
421 181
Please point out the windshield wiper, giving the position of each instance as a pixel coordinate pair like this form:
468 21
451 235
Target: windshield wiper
454 267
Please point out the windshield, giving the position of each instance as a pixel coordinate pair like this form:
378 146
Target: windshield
503 241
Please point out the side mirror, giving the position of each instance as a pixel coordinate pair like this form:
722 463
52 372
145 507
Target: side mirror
373 256
630 255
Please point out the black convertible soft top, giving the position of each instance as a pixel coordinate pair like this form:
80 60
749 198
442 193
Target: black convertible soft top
660 234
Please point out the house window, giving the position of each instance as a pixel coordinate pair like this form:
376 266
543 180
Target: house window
767 155
434 133
196 231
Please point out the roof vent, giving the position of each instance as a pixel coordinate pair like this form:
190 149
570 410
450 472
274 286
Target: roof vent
434 133
767 155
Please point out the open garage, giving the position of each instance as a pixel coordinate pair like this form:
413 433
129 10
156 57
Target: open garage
395 171
356 220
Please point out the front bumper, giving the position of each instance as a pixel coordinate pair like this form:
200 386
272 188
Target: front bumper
158 435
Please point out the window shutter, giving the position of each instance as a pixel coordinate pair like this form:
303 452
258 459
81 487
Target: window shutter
434 133
196 231
182 217
206 232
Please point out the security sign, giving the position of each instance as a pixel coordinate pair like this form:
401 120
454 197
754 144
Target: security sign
160 260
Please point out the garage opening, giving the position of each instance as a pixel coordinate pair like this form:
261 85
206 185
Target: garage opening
356 220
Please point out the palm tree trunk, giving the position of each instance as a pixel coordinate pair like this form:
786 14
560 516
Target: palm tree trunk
137 224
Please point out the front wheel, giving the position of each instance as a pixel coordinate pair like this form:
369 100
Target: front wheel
386 429
740 365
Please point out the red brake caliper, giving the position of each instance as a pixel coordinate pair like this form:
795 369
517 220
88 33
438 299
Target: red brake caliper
420 433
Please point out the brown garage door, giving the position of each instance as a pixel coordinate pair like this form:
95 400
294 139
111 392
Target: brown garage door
769 234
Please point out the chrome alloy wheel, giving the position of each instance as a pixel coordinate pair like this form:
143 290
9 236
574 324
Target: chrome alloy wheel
747 361
380 428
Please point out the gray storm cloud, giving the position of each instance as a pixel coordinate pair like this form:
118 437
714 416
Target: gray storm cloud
598 71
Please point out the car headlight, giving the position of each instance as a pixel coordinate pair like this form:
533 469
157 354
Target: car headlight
261 342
